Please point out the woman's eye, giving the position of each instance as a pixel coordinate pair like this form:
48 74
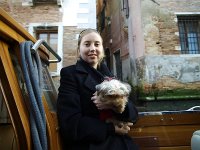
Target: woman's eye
87 44
97 44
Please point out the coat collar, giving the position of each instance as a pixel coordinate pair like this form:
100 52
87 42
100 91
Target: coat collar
90 81
80 67
94 77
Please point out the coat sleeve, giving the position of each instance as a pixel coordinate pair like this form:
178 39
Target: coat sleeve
130 113
73 125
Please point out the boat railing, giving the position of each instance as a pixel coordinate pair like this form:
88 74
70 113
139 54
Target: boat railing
194 109
38 44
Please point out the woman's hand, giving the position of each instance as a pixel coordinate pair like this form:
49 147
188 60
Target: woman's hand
120 126
124 129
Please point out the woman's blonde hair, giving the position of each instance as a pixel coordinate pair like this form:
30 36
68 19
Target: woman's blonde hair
85 32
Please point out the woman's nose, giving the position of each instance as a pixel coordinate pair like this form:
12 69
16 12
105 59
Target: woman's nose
92 47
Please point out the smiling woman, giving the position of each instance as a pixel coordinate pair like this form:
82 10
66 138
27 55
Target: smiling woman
91 47
81 126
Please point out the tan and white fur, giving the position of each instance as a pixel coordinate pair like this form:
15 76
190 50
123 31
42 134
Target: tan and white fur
114 92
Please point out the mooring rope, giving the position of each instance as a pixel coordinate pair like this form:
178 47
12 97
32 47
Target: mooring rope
32 71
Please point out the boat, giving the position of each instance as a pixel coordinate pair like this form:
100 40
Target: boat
16 131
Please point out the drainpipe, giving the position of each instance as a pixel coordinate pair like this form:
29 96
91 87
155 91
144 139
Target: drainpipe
136 39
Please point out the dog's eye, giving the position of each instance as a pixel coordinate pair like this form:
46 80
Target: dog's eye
112 96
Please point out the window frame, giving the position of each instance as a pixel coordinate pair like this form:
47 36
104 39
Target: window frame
59 45
40 2
188 35
45 1
48 31
125 7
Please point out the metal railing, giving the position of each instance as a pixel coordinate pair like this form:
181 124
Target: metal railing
41 41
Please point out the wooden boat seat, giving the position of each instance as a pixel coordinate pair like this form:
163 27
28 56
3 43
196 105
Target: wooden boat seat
166 131
7 137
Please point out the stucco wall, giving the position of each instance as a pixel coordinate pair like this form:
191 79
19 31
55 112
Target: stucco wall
25 14
163 72
169 77
159 24
159 28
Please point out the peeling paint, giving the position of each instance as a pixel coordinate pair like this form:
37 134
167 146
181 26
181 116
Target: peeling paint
169 76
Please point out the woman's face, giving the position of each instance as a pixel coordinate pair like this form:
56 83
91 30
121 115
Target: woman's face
91 48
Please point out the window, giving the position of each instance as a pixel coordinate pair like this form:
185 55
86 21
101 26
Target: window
45 1
50 35
107 58
53 34
102 19
189 33
125 7
40 2
118 64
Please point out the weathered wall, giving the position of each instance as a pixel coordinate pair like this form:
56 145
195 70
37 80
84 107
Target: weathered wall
115 34
167 77
48 13
26 14
119 33
163 73
160 24
70 46
159 29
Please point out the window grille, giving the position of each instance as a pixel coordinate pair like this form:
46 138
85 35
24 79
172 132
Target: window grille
44 1
189 34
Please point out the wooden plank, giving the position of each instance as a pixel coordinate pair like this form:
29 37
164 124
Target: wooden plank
12 23
168 119
58 138
176 148
52 127
165 130
146 141
12 31
9 33
166 148
179 135
14 99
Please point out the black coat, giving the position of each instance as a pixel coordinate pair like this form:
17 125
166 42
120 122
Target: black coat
78 117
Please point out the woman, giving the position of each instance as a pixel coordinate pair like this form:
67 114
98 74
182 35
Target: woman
78 106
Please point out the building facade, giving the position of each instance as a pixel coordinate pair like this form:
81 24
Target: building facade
57 21
154 45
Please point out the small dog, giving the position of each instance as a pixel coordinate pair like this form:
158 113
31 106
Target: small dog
114 92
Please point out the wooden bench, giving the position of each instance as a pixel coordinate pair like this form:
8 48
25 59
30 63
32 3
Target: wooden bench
165 131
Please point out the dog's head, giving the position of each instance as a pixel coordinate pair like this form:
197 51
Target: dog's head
114 92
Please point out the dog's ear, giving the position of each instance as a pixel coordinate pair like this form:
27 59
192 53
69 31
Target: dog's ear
128 87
